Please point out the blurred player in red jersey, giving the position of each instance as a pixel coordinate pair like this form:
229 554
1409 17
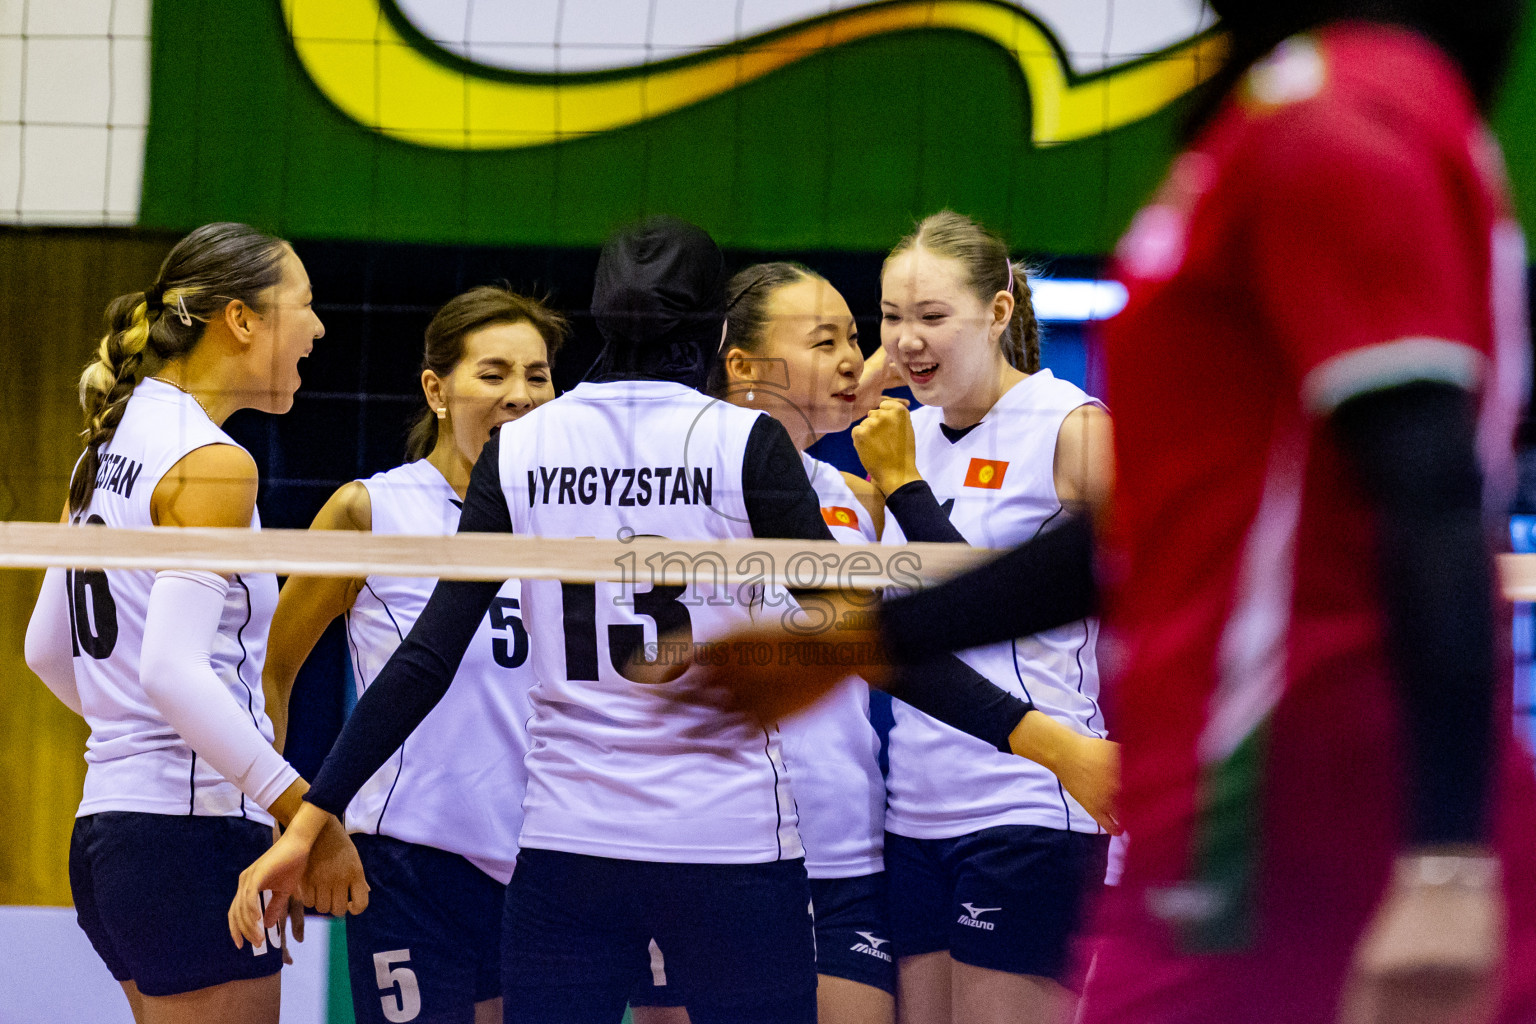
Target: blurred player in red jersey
1328 293
1315 385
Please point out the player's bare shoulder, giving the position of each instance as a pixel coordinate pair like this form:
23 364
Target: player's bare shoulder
349 508
214 485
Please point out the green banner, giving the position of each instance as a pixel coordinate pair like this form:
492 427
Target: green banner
342 119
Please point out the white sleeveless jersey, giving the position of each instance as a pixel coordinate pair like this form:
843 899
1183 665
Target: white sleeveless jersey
998 485
832 750
615 768
135 761
457 782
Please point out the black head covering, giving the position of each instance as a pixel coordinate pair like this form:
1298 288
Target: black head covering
659 303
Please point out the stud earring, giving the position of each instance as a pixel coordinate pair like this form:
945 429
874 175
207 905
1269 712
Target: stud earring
442 412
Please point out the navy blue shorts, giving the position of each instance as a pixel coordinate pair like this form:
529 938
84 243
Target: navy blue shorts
152 893
734 939
853 936
1008 898
428 948
853 930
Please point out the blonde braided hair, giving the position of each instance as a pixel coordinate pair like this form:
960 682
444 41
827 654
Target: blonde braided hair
215 264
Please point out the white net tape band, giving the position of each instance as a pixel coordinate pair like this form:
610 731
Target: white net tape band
800 564
651 560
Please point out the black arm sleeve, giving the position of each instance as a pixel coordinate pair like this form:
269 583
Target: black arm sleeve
419 672
782 503
957 695
1415 449
920 516
1043 583
779 497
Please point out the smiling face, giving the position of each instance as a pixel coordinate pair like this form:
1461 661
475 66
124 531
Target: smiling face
282 333
503 374
938 334
807 364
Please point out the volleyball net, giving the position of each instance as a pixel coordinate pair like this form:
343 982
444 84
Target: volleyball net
632 560
413 149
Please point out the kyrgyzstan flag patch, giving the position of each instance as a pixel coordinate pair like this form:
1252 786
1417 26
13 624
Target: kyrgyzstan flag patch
836 515
985 473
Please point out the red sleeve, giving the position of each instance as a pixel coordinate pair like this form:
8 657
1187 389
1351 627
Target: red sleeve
1359 241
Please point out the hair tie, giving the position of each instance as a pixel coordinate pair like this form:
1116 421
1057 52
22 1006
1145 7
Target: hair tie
1008 263
154 298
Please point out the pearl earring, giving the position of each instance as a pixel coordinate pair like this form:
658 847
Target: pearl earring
750 395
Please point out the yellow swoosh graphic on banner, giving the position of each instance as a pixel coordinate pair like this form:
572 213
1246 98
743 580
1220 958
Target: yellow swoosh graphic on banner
381 79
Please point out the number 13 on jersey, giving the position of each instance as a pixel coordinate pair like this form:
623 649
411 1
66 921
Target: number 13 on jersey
660 604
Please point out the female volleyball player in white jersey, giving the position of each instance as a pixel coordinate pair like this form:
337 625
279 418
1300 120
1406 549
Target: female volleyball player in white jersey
182 782
437 826
791 350
990 859
642 819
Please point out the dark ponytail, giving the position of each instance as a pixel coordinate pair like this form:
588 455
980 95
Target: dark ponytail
205 271
747 296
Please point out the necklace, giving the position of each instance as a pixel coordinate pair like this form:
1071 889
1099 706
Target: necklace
189 394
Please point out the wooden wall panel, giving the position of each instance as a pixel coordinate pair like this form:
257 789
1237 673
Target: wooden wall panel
54 285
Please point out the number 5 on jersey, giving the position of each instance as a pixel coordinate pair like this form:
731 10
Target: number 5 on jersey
509 651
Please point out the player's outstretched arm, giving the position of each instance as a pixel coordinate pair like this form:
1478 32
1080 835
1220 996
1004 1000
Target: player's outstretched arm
807 668
1045 582
1439 927
307 605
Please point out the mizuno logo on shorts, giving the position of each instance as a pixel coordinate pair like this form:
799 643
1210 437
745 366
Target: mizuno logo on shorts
871 946
972 917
